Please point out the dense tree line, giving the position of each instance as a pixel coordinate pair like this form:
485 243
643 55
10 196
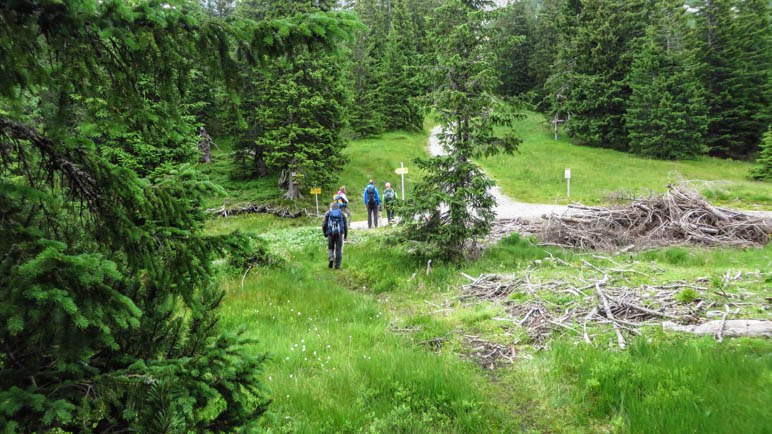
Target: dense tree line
655 77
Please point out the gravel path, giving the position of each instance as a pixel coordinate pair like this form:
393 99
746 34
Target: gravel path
507 208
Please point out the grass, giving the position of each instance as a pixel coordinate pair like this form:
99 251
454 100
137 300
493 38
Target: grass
535 174
376 158
673 385
380 347
335 366
357 374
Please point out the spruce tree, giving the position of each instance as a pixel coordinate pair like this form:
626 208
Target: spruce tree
733 48
366 69
594 61
666 113
400 88
107 297
452 208
515 45
763 170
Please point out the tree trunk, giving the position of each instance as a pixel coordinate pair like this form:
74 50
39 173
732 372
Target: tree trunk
260 168
205 146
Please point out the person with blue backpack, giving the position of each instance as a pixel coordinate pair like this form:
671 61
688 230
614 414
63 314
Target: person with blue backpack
373 204
336 230
342 200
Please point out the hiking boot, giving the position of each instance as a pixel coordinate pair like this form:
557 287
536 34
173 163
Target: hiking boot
329 265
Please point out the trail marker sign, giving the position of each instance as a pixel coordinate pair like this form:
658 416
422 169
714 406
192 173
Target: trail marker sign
316 191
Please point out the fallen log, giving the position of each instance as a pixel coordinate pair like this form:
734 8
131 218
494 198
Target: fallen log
729 328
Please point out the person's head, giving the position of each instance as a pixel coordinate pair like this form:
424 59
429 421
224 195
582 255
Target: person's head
342 189
334 206
372 182
388 185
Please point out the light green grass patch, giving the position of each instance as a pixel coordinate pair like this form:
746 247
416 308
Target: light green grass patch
536 173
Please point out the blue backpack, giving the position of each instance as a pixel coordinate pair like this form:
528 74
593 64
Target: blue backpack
342 202
335 222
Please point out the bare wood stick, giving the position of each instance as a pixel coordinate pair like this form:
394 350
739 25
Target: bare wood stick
245 276
609 314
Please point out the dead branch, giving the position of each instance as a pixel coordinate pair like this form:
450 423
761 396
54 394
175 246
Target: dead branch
680 216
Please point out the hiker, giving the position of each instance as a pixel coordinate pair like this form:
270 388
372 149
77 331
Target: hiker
342 200
336 231
373 204
389 200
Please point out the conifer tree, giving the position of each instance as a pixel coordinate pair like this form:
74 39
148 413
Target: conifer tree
400 88
452 206
594 62
367 59
734 52
666 113
517 27
763 170
107 301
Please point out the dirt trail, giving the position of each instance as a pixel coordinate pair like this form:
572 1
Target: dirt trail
506 208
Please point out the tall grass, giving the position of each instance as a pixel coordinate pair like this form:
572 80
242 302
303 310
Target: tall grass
682 385
535 174
334 364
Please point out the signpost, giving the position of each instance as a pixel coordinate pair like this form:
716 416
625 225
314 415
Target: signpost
402 170
568 181
316 191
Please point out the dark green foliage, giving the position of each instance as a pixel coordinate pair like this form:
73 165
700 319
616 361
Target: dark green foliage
666 113
515 44
764 169
400 87
293 107
597 56
301 115
385 63
452 206
736 60
107 301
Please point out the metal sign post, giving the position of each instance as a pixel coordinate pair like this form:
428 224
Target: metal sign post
568 182
402 171
316 191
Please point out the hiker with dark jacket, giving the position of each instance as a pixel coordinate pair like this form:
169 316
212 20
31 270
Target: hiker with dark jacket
336 230
373 204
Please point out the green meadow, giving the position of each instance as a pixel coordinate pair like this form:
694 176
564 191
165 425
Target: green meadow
536 173
382 345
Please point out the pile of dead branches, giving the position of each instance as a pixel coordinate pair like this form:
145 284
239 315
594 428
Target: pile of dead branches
251 208
680 216
604 300
488 354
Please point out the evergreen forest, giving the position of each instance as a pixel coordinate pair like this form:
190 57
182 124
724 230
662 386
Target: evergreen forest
165 165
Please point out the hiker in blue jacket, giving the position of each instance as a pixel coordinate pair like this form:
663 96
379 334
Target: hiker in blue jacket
373 204
336 230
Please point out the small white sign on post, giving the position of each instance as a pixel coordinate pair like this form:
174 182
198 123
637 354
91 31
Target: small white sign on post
402 170
568 181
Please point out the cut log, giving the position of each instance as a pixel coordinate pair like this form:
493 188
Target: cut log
731 328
